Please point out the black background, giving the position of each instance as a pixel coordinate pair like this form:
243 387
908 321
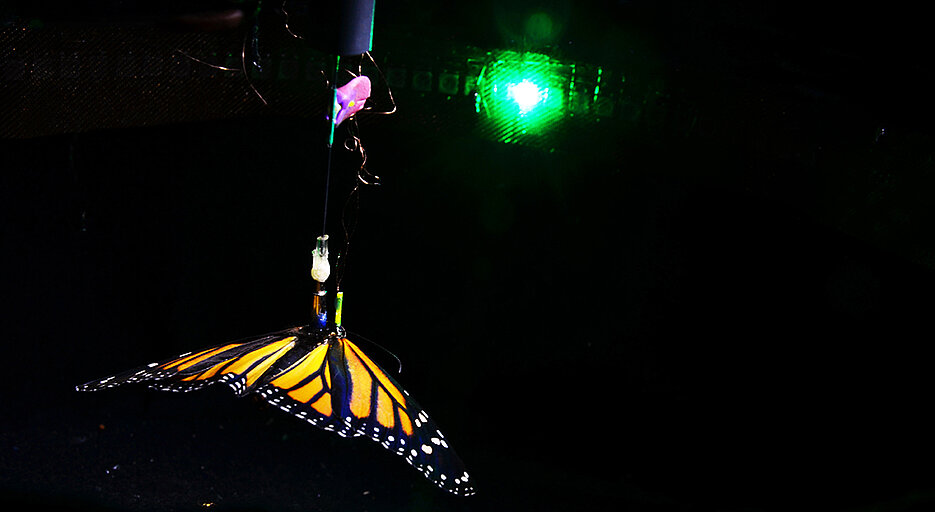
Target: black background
735 317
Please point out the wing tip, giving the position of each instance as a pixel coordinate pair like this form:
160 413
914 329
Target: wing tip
458 485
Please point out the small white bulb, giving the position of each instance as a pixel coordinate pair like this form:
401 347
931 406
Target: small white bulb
321 268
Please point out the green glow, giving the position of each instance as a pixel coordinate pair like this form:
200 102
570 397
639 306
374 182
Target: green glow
522 95
526 95
597 88
539 28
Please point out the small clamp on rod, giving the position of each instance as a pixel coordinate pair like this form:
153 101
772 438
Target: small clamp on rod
321 270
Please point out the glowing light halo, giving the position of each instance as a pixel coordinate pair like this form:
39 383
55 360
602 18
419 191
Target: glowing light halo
521 96
526 95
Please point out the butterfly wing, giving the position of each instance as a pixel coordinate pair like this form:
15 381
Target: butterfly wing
343 390
329 382
242 365
304 389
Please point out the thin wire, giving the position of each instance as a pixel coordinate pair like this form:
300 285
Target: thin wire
349 228
324 216
215 66
286 23
389 91
354 143
364 177
243 66
334 98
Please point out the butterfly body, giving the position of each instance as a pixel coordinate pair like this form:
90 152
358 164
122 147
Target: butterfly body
321 377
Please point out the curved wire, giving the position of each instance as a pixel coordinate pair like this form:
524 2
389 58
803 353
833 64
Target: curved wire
389 91
205 63
286 23
243 66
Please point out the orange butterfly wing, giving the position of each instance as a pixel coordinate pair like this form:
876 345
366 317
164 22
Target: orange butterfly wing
240 364
329 382
340 389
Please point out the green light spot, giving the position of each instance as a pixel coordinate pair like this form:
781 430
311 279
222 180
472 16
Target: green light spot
526 95
597 87
521 94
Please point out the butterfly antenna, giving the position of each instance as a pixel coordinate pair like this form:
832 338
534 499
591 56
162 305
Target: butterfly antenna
338 313
381 347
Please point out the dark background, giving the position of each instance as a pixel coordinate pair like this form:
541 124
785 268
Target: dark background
722 302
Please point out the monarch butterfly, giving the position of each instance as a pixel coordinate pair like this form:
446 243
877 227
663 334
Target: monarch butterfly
324 379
